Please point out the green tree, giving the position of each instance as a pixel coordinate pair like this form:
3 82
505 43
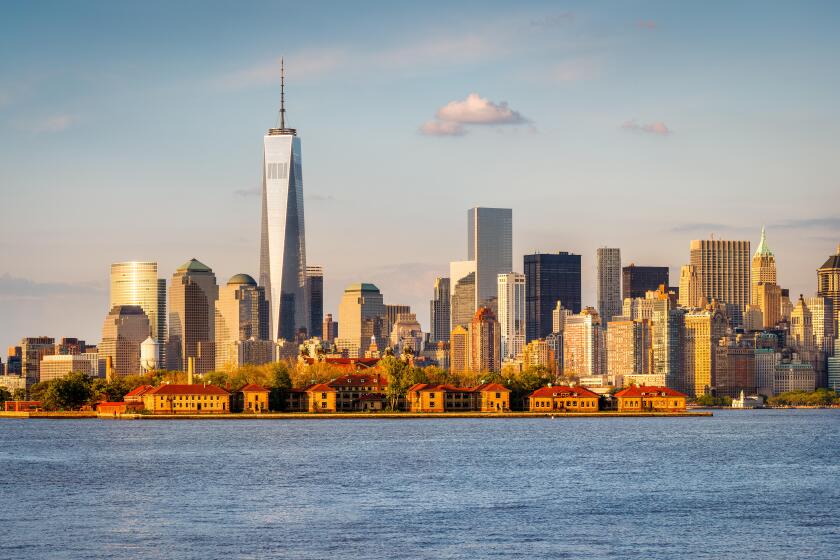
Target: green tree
398 374
281 384
5 395
69 392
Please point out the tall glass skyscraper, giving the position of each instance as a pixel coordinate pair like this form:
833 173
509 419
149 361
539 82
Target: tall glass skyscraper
549 278
490 245
137 283
283 243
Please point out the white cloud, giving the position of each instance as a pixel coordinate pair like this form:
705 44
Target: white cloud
478 110
658 127
443 128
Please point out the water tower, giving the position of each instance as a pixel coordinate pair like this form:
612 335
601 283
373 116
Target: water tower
149 352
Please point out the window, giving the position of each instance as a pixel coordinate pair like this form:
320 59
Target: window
498 395
323 405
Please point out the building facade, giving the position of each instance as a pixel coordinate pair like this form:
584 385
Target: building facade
608 274
703 330
439 319
490 245
549 278
638 280
315 285
462 292
192 306
137 283
241 324
361 315
459 350
723 273
124 330
485 342
583 344
511 303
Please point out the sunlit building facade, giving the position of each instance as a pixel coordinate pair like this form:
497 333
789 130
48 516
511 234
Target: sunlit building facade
608 282
137 283
490 245
511 289
192 302
723 273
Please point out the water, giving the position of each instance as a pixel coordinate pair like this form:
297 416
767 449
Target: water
760 484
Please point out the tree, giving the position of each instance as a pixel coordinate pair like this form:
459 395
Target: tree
5 395
398 375
68 392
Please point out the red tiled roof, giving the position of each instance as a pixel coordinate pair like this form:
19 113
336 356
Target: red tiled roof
358 380
177 389
141 390
562 391
440 387
320 387
649 391
254 388
491 387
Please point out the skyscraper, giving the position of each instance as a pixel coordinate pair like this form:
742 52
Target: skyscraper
33 349
137 283
608 285
330 328
392 314
459 350
668 333
283 240
241 323
762 267
485 341
549 278
124 330
583 344
628 347
723 273
315 283
439 311
462 295
828 283
361 315
192 302
512 313
689 286
490 245
703 331
638 280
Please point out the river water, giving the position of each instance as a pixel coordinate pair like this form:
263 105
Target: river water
741 484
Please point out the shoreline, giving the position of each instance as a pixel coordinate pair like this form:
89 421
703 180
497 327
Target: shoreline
350 415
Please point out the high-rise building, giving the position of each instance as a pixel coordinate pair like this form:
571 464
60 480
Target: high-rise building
765 369
407 335
801 327
459 350
763 267
549 278
608 286
330 329
14 361
703 330
490 245
137 283
485 341
241 323
768 298
512 313
462 294
361 315
33 350
723 273
392 314
822 322
283 238
668 333
124 330
192 302
583 344
689 287
734 367
540 353
315 283
558 317
828 283
638 280
834 367
57 366
628 346
439 311
69 346
639 309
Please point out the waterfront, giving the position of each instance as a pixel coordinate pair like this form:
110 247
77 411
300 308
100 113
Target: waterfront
740 484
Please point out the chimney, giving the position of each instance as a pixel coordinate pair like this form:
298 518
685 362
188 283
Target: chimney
190 370
109 368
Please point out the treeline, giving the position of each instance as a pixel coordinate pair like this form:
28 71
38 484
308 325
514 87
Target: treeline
820 397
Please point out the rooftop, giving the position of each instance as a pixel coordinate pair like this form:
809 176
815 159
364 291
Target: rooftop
185 389
194 265
648 391
563 391
241 279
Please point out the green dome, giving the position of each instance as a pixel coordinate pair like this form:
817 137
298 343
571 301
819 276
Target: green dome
194 265
241 279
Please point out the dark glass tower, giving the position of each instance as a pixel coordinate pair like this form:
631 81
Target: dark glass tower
640 279
549 277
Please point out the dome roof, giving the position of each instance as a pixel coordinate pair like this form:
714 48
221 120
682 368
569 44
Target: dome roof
237 279
832 262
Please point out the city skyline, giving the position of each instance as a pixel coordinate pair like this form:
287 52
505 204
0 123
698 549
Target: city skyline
794 180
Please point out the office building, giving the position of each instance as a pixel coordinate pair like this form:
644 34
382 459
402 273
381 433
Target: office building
703 330
549 278
734 367
834 367
459 350
283 237
763 266
192 302
668 333
439 317
462 294
765 360
558 317
723 273
629 347
33 350
689 287
511 305
407 336
57 366
241 324
392 313
70 346
801 335
608 283
485 342
124 330
315 284
330 329
540 354
583 344
490 245
822 323
137 283
638 280
793 374
361 315
768 298
828 283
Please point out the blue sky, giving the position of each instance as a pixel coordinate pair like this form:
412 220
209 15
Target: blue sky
133 131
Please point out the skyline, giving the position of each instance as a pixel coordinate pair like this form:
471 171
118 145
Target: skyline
122 127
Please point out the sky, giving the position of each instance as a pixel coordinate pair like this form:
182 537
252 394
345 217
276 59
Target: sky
133 131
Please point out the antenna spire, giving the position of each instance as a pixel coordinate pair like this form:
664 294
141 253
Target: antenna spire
282 94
